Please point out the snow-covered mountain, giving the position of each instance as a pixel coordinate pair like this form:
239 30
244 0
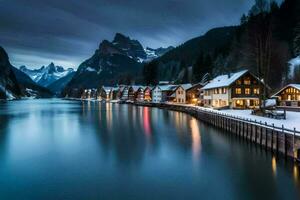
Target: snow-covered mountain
46 75
114 62
155 53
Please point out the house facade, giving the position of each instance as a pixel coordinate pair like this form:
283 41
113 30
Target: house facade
133 92
194 94
289 96
140 94
237 90
162 93
180 93
124 93
114 94
105 93
148 94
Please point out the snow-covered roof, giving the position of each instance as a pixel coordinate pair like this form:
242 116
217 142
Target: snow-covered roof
297 86
185 86
136 87
224 80
107 89
115 89
167 87
149 87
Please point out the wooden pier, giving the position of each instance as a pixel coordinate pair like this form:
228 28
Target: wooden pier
279 140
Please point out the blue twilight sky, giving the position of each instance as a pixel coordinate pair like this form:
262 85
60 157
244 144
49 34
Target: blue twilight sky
37 32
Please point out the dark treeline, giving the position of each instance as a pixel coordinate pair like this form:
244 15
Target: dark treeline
267 38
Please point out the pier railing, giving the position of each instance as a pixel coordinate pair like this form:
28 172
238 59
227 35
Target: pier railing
277 139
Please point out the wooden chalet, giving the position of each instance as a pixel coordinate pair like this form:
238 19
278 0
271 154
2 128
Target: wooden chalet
148 93
289 96
180 93
133 92
237 90
194 94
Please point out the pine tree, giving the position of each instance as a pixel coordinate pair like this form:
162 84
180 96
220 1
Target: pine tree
296 42
197 68
185 78
150 73
244 19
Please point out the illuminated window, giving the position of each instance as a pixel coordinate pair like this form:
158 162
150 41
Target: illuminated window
247 81
256 91
238 91
238 82
224 90
247 91
239 103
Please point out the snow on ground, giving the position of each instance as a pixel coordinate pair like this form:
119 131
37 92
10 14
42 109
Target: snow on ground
292 118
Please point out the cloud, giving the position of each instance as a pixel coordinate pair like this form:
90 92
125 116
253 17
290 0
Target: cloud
37 32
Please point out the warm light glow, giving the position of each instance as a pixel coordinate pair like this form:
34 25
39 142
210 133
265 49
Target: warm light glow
108 115
146 123
296 173
196 139
274 165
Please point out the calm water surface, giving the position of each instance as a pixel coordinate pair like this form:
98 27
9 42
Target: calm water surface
56 149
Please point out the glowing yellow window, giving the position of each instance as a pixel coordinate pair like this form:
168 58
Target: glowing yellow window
238 91
247 91
247 81
256 90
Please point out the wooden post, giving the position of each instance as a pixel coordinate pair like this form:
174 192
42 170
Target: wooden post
272 133
255 132
260 133
285 147
277 143
294 143
266 135
251 125
247 131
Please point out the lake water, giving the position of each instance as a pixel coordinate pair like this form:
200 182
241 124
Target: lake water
58 149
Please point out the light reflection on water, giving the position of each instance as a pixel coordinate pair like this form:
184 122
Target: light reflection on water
54 149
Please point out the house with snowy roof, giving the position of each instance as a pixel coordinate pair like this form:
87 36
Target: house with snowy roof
148 93
140 93
124 92
162 93
180 93
133 92
104 93
289 96
194 94
235 90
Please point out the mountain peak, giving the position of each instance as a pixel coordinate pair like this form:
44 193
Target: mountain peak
3 55
120 38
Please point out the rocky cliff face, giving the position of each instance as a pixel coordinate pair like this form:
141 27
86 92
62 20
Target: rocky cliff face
117 62
9 87
112 63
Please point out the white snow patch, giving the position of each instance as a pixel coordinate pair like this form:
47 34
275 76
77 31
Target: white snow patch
89 69
270 102
140 60
224 80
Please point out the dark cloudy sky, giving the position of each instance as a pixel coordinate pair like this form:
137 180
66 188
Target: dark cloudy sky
36 32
